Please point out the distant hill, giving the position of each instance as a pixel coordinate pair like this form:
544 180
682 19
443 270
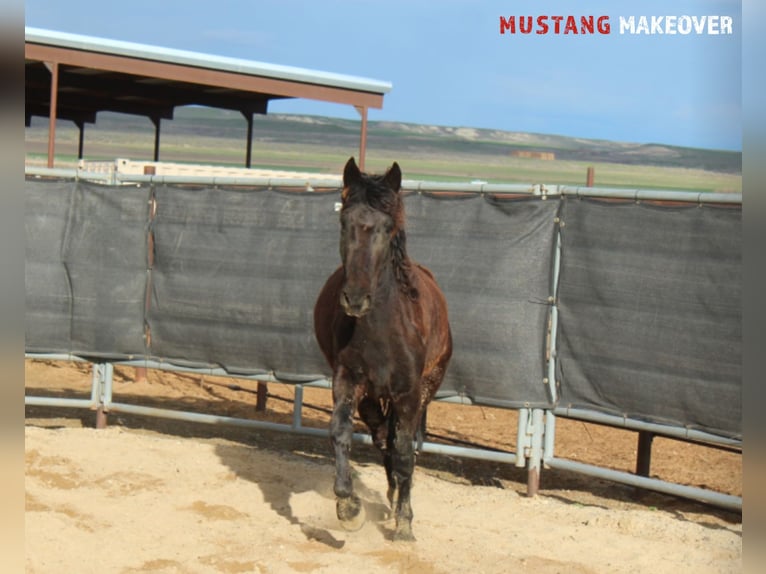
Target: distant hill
317 144
399 137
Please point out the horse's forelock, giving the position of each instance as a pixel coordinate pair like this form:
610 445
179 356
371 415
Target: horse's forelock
373 191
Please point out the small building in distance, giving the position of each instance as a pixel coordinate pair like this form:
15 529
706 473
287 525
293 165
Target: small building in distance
529 154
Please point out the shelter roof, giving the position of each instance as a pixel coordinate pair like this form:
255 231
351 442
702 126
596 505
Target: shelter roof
73 77
98 74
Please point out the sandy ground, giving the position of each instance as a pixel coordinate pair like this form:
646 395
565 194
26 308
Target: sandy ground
164 496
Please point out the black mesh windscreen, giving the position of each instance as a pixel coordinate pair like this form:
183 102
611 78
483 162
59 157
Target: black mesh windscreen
236 274
649 296
650 312
86 266
48 299
492 259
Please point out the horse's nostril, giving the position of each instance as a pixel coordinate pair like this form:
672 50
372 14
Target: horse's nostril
354 305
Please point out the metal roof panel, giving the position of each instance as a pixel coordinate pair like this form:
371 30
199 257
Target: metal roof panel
197 59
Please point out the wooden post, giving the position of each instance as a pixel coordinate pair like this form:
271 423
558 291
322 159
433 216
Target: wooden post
644 455
249 149
101 418
156 121
260 401
81 141
362 136
54 70
590 177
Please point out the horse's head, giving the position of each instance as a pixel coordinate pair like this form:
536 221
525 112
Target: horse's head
372 234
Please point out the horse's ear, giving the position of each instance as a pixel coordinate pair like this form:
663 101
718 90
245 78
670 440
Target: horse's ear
393 177
351 173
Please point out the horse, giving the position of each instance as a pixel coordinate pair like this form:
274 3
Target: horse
381 322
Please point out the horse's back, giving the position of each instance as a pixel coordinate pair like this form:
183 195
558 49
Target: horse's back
435 324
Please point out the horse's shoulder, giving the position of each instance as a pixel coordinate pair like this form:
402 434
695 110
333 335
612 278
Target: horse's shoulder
425 270
426 282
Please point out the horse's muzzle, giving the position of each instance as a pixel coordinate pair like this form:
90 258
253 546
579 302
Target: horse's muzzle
355 305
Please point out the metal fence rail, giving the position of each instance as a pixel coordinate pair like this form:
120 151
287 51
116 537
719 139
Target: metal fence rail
102 402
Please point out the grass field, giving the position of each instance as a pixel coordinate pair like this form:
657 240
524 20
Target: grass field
304 143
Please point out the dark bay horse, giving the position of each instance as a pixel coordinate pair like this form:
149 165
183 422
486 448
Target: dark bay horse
381 322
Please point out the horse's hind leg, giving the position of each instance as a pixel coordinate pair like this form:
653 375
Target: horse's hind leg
371 412
380 425
403 466
345 397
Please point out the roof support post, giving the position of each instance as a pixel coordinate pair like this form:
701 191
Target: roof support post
249 152
156 121
363 135
80 144
54 70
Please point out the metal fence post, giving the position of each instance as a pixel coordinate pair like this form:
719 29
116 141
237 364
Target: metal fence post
102 391
534 461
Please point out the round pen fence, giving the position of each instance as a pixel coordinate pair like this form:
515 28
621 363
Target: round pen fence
620 307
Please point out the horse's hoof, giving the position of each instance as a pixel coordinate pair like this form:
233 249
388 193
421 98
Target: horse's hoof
350 513
403 533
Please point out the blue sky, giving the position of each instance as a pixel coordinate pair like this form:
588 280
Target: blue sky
449 64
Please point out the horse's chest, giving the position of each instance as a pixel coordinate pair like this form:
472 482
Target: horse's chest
386 365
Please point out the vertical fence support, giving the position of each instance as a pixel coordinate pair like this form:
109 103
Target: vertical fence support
262 396
522 439
535 452
549 436
644 456
101 391
53 111
298 407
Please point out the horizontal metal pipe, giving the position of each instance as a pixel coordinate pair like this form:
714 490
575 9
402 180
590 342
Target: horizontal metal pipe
633 424
319 181
652 194
434 448
259 181
211 370
60 402
428 447
68 173
468 187
464 452
208 418
455 399
55 357
214 370
727 501
566 412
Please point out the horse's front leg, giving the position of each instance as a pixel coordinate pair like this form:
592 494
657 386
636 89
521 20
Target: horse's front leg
403 467
345 398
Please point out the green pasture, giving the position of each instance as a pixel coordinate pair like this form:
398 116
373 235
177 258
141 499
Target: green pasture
325 147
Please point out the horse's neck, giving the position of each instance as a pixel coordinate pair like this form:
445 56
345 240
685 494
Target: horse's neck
390 301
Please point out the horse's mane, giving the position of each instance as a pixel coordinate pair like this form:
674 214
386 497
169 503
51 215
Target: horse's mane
372 190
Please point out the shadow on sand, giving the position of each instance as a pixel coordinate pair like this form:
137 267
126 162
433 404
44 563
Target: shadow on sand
305 474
